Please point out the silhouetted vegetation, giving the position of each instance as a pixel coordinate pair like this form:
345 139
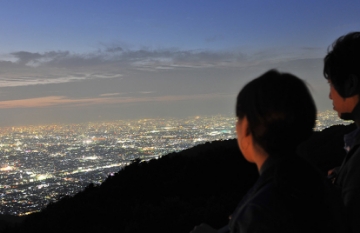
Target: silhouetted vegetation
174 193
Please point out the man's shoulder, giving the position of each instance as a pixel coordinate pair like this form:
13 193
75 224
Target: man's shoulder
353 159
349 173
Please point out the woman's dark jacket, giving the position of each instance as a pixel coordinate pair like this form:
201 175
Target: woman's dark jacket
289 196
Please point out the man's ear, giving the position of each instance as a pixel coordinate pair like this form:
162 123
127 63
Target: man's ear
351 86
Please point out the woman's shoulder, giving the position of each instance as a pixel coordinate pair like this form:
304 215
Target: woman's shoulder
298 172
256 217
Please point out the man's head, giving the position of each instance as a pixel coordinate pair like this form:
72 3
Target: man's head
342 70
342 64
343 106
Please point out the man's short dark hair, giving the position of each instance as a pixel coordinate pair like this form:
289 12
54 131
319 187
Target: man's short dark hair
280 110
342 64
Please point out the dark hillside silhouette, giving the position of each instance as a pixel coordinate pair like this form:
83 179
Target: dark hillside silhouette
325 149
173 194
8 221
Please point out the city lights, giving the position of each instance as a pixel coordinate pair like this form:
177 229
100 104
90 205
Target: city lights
40 164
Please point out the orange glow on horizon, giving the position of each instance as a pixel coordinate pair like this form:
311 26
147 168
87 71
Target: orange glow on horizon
50 101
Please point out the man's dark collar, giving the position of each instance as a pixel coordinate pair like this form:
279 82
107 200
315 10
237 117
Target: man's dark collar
354 115
351 139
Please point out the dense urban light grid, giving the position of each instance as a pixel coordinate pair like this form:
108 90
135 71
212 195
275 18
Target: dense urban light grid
40 164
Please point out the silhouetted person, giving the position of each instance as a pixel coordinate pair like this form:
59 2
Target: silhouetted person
342 70
275 114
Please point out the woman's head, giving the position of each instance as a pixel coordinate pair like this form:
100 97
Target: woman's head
280 111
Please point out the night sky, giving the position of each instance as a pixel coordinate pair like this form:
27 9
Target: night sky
76 61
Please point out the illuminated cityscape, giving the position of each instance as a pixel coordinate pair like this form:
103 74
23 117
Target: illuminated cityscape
40 164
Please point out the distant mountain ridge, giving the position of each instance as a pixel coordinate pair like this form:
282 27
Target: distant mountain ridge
174 193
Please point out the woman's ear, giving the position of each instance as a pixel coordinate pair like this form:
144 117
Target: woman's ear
247 127
242 126
248 148
243 134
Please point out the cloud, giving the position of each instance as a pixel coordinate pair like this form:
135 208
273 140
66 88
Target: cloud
58 101
115 62
25 57
41 80
29 68
157 58
114 49
110 94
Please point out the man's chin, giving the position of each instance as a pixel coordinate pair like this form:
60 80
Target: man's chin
345 116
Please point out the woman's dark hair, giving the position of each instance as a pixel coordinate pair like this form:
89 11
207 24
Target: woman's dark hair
280 110
342 63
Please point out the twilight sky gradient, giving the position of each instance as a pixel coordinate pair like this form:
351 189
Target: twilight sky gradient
86 60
